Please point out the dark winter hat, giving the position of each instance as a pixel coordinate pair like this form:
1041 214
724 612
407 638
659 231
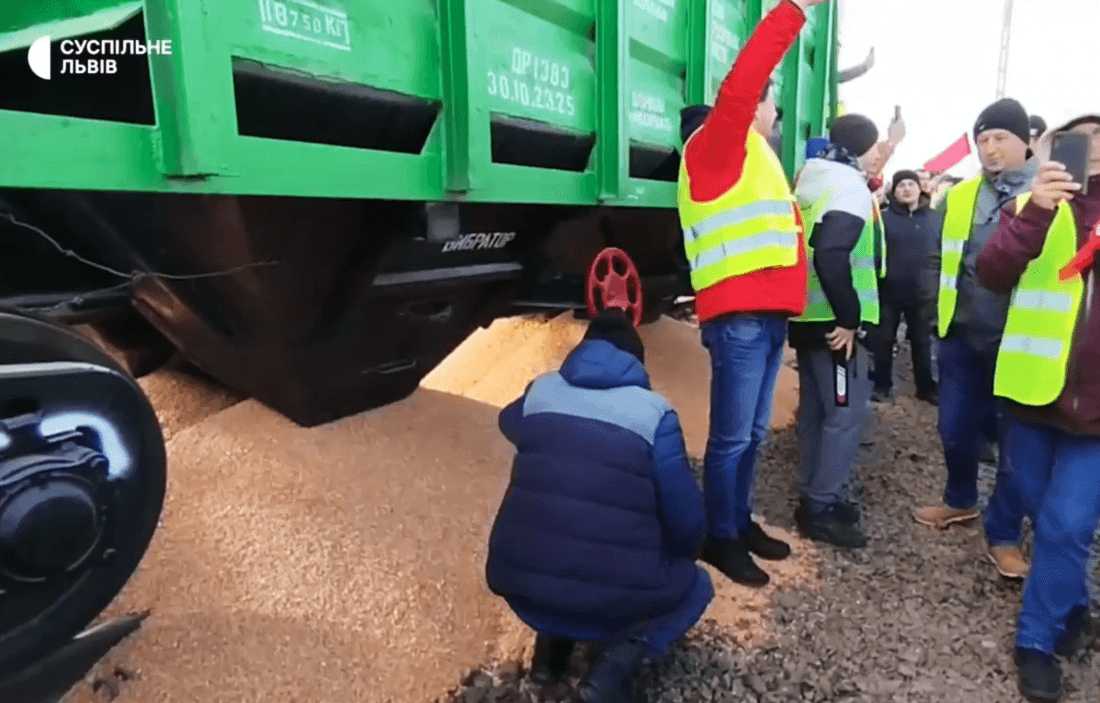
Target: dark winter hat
855 133
1038 125
691 119
904 175
612 325
1005 114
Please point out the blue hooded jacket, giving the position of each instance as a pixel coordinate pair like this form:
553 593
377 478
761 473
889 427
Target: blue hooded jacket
602 520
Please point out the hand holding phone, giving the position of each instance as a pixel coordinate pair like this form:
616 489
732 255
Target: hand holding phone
1053 185
1074 151
896 133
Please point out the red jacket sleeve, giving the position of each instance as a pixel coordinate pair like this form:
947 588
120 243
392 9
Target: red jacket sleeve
1018 240
715 157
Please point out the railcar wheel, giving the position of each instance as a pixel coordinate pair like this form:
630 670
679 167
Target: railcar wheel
82 483
613 281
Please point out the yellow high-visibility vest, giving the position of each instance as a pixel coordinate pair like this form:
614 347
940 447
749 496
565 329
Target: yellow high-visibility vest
1042 319
864 275
752 226
958 222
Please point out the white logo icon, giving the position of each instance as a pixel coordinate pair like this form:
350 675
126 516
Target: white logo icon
38 57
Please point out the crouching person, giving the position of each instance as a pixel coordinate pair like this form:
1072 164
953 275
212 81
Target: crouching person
1048 372
597 536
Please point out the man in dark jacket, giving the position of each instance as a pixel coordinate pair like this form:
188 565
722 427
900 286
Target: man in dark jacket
971 320
1048 374
597 536
911 282
838 210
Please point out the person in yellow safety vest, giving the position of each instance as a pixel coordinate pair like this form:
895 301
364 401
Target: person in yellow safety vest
838 209
744 242
971 321
1049 375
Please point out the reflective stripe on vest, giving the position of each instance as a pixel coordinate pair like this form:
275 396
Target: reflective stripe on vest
751 226
1042 319
880 231
958 222
864 275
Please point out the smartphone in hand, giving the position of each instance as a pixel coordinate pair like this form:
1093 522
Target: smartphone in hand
1074 151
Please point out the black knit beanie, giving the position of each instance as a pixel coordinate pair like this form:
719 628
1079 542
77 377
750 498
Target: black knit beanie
1038 125
1005 114
691 119
904 175
856 133
693 116
612 325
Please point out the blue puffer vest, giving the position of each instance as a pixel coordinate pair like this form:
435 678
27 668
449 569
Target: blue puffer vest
578 537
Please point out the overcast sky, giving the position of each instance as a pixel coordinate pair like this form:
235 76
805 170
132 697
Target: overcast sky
938 60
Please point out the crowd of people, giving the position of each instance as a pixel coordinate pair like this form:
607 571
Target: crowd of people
599 533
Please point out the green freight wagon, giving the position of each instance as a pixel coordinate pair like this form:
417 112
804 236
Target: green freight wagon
314 201
408 170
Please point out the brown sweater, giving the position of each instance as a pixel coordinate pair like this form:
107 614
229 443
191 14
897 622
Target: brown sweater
1017 241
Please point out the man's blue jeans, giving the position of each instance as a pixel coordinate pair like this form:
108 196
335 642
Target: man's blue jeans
1057 474
745 353
968 413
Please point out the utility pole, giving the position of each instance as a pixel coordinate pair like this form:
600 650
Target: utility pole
1006 36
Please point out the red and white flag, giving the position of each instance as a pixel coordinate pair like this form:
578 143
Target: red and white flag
951 156
1084 258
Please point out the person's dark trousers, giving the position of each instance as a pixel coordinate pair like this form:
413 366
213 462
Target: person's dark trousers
746 352
658 633
920 340
967 409
1057 473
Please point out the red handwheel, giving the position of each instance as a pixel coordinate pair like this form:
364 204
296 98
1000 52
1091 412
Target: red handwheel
613 282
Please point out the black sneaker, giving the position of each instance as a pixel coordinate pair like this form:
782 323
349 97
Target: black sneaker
611 679
831 526
765 547
732 558
551 659
929 395
1079 631
846 512
1039 676
880 395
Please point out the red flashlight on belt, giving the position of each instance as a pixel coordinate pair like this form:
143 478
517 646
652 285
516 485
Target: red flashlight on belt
1084 257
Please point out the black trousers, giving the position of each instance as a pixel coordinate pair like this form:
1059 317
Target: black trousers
919 324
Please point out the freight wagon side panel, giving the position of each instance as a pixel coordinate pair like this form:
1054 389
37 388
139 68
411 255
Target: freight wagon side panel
540 101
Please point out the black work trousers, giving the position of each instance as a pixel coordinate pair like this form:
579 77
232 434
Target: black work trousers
919 325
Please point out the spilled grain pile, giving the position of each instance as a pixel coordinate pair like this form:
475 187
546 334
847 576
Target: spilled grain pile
338 564
345 563
495 364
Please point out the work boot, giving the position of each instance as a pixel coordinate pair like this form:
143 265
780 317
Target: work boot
764 546
943 516
551 659
880 395
1039 675
1079 632
830 525
1009 561
732 558
612 676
